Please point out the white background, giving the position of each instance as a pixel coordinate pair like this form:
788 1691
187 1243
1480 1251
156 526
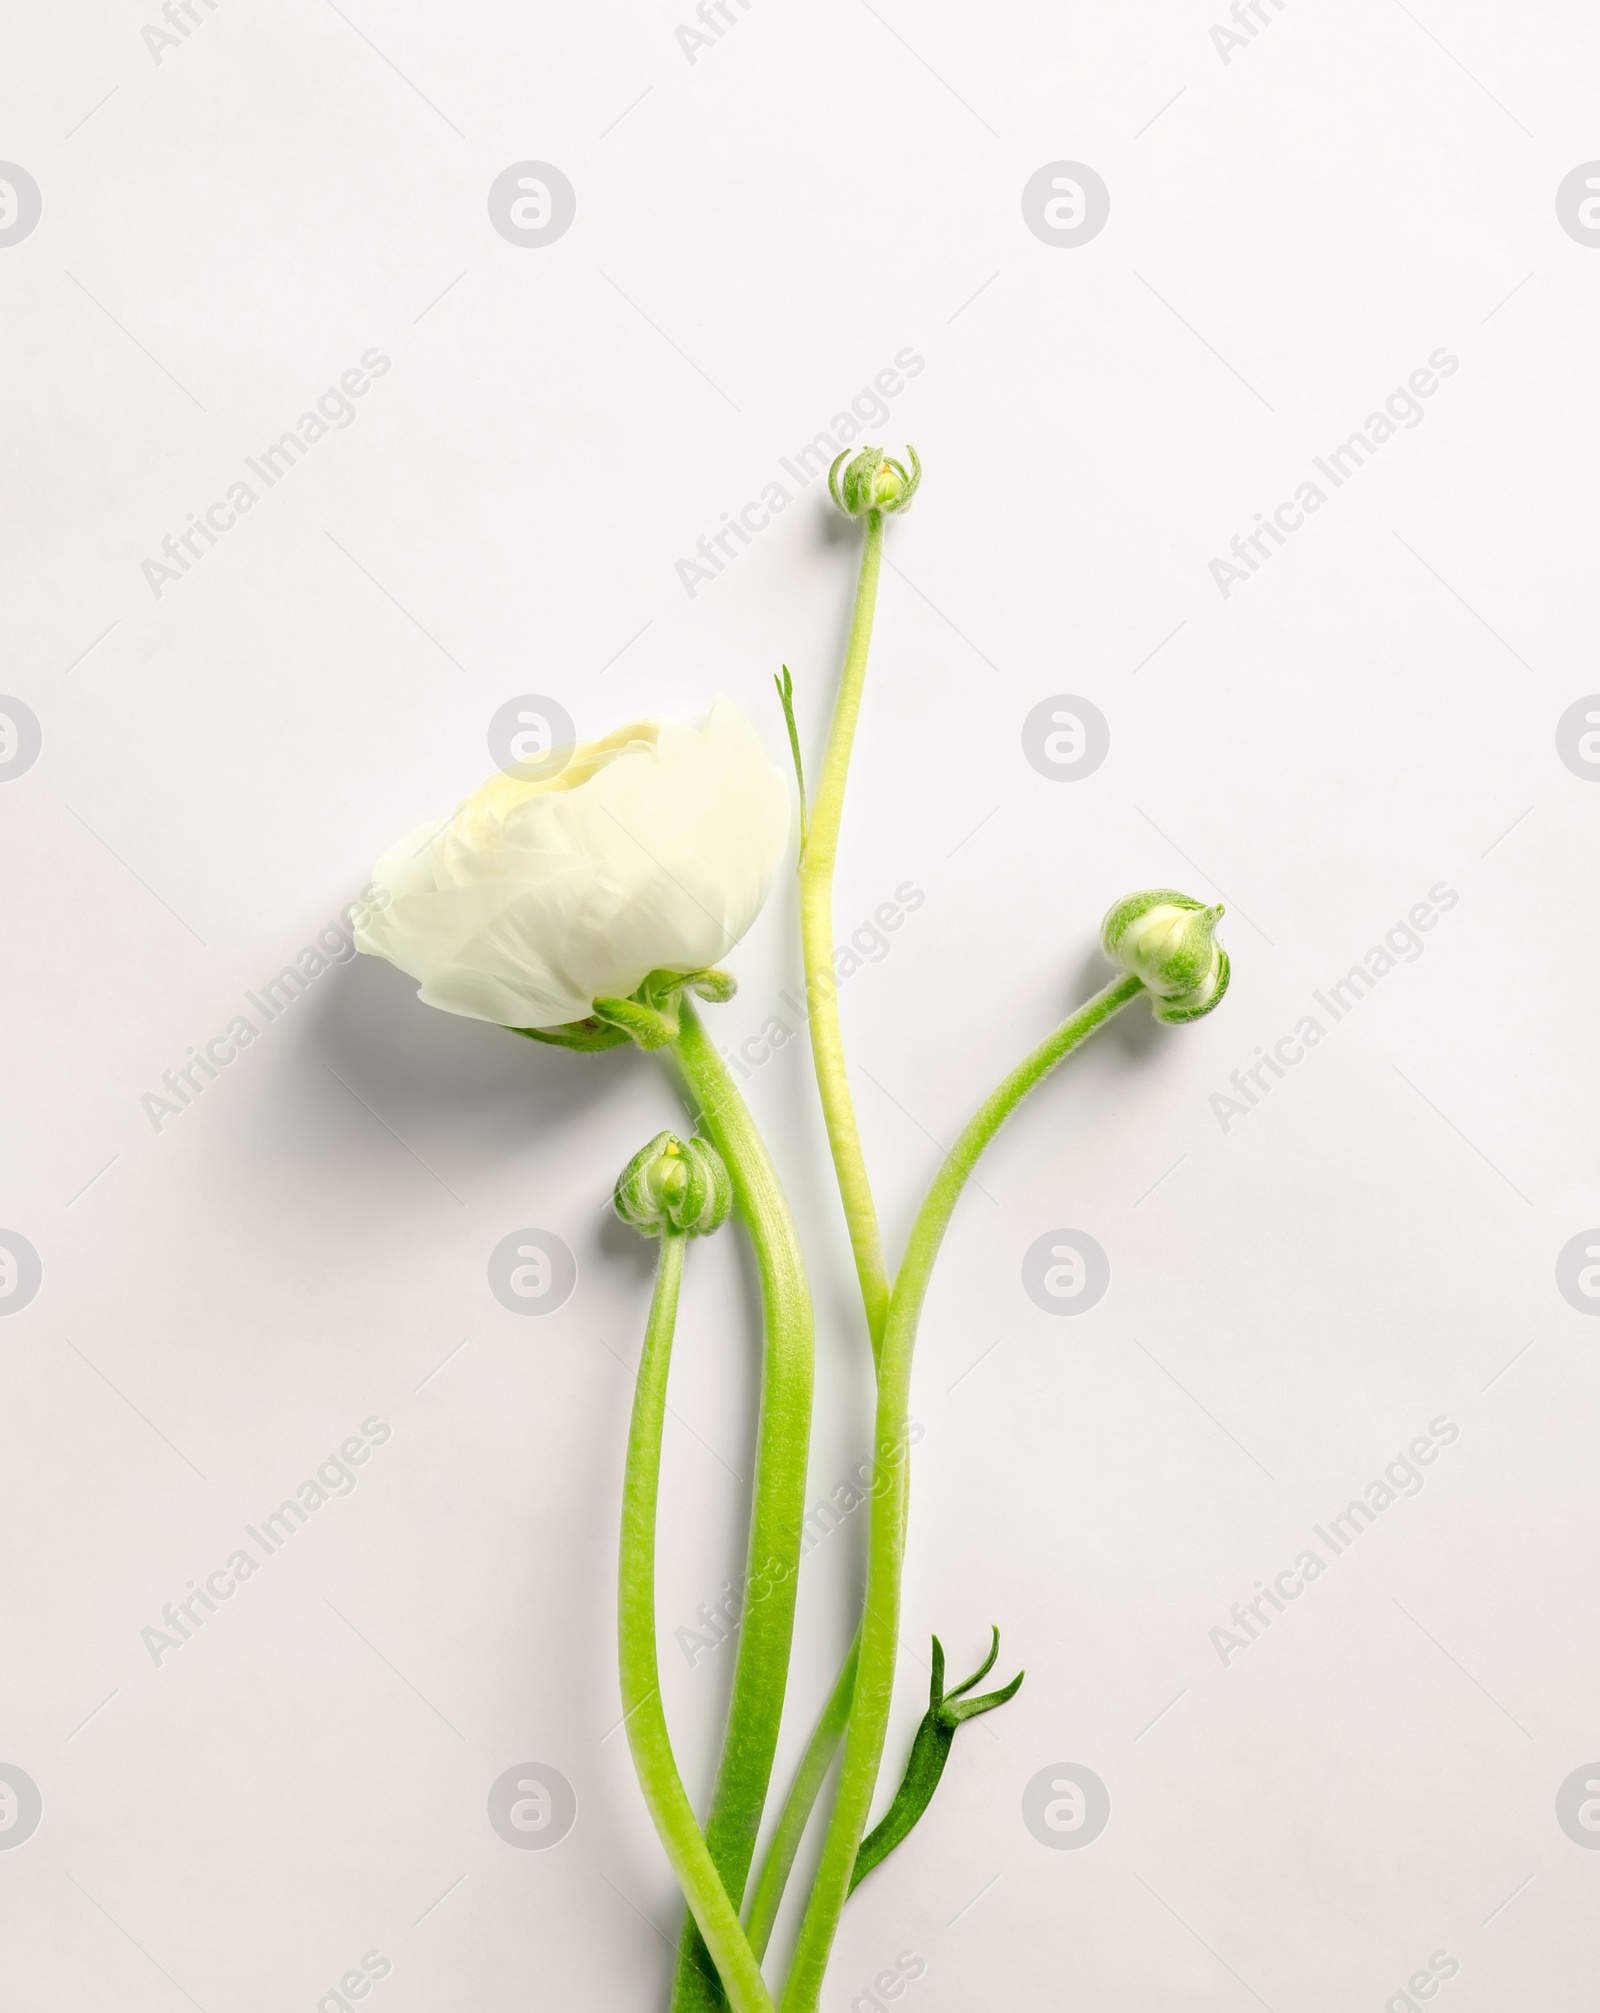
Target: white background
758 232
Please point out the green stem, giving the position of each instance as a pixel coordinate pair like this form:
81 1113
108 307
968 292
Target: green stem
819 850
636 1649
869 1712
808 1781
816 936
761 1672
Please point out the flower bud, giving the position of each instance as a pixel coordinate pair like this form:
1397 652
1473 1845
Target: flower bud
872 481
1165 940
674 1184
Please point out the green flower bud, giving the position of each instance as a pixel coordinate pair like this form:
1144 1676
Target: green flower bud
872 481
1165 940
675 1184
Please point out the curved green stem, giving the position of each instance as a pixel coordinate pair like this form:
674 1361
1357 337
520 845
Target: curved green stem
636 1650
869 1712
761 1672
808 1781
818 854
816 936
819 849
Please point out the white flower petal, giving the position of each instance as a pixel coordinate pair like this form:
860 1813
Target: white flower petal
653 849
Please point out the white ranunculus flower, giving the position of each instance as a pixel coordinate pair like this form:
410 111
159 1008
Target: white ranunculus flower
653 849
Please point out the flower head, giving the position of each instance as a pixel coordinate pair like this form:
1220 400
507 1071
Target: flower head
1165 940
872 481
647 856
674 1184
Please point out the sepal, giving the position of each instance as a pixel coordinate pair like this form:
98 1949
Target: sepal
648 1016
649 1025
717 986
586 1036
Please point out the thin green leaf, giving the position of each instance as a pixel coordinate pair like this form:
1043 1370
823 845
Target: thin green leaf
969 1708
983 1669
930 1750
785 686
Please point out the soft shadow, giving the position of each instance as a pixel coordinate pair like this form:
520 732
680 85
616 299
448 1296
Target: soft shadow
831 528
1135 1032
832 532
367 1019
623 1245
